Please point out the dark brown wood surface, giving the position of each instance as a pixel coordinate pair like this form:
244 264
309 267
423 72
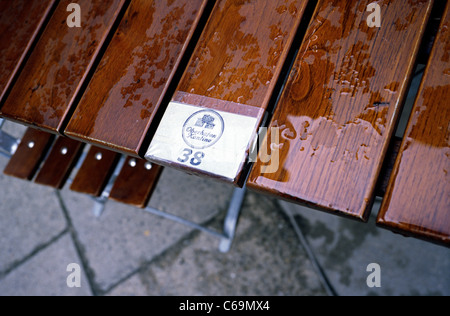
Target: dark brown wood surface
59 163
241 52
29 154
135 183
417 202
56 69
338 110
95 172
20 24
238 60
128 87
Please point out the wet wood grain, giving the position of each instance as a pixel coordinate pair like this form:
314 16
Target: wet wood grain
29 154
417 202
95 172
242 50
238 60
20 23
136 182
56 69
137 69
337 113
59 163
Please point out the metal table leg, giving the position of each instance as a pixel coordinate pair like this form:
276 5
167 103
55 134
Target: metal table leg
100 202
232 218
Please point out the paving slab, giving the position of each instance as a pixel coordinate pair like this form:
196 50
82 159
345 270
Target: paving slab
265 259
30 215
125 238
45 274
345 248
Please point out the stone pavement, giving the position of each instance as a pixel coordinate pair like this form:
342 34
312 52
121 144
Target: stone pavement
129 252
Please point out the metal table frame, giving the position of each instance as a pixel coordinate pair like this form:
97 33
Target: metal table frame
9 144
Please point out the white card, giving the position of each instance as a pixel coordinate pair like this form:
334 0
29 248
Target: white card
202 139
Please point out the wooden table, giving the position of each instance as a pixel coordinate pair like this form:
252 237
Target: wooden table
190 84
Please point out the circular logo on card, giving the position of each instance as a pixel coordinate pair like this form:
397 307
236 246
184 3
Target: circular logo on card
203 129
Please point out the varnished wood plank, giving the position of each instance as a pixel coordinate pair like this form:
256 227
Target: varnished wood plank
56 69
20 24
59 163
417 202
94 173
135 182
137 69
29 154
338 110
234 70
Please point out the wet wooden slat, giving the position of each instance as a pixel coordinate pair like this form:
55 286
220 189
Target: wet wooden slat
20 23
135 182
235 69
59 163
29 154
95 171
56 69
138 67
417 202
337 113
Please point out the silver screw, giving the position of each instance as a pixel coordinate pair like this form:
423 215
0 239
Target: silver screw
31 145
64 151
98 156
132 163
148 166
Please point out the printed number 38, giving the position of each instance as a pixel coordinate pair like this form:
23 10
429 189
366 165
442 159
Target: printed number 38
187 154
